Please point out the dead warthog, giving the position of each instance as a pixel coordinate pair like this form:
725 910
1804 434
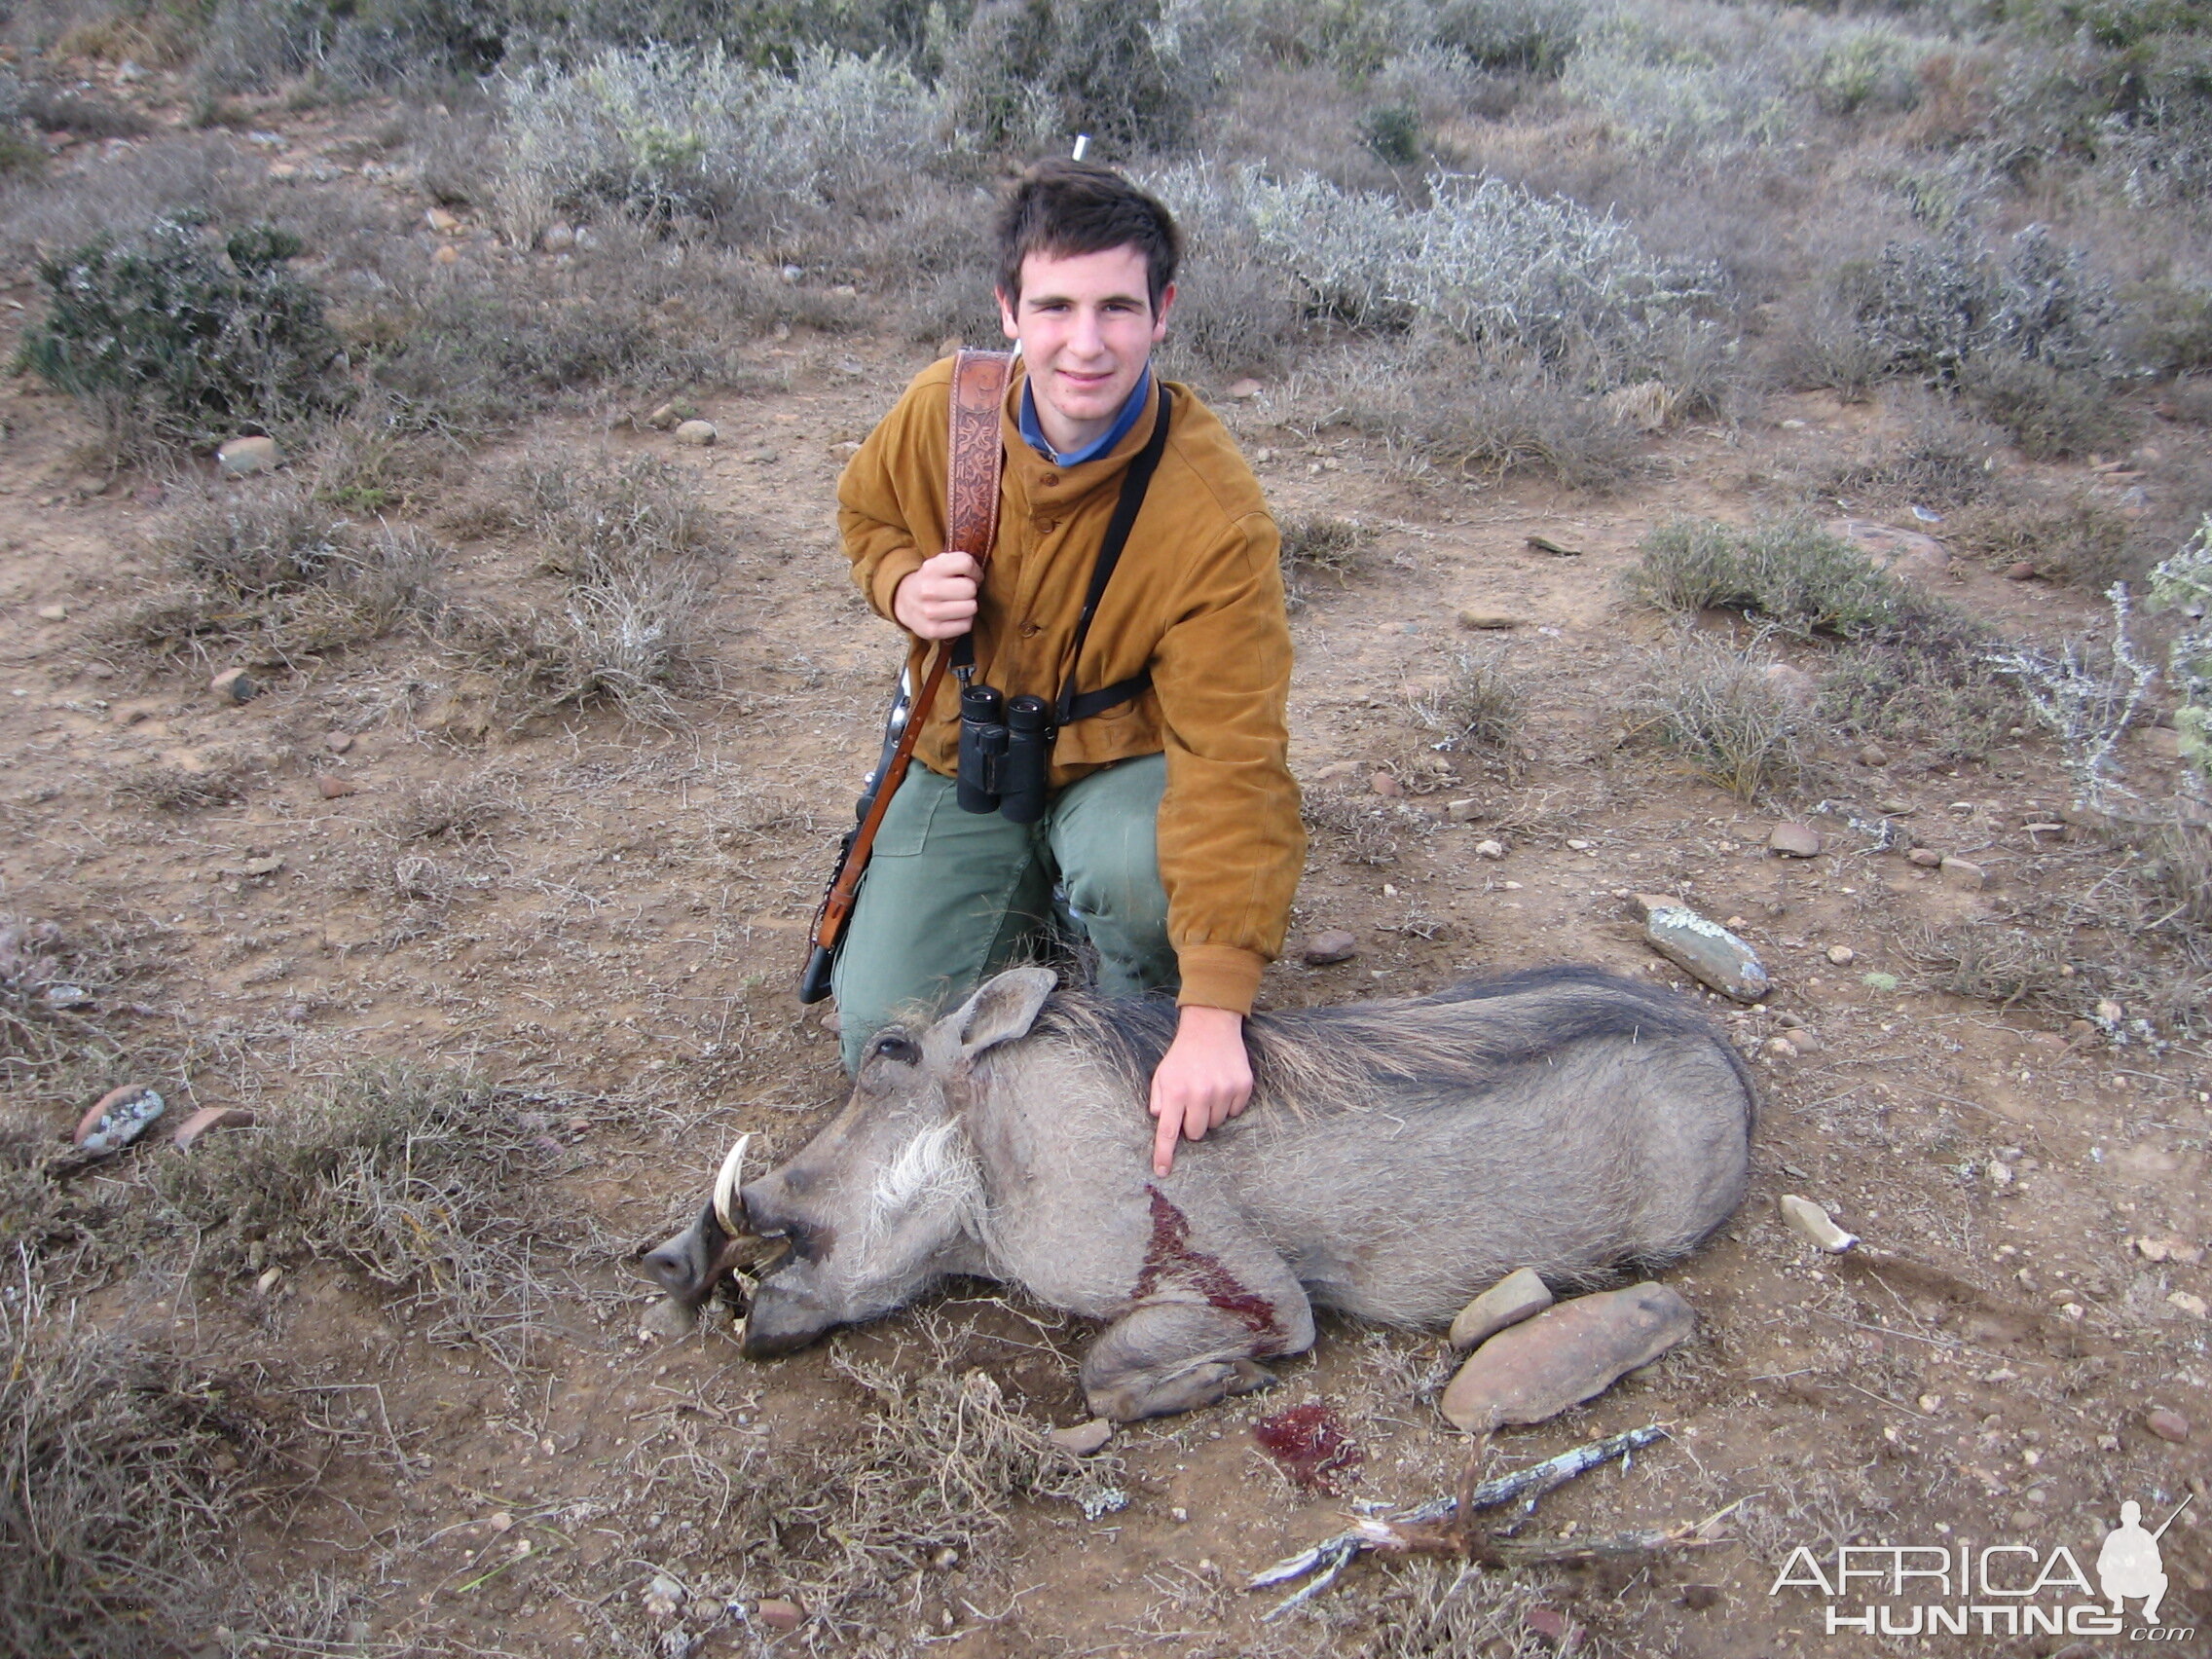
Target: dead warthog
1397 1157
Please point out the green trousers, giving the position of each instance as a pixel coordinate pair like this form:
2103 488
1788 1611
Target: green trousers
952 897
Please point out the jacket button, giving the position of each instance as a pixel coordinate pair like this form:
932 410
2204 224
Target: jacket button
1048 525
1030 630
1050 479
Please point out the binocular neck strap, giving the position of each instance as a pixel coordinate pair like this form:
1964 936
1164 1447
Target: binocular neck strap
1134 483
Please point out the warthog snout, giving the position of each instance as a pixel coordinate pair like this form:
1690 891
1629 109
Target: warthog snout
691 1264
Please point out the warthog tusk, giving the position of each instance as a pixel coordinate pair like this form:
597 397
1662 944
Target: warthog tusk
727 1184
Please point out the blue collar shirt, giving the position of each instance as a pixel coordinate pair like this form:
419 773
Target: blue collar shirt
1033 434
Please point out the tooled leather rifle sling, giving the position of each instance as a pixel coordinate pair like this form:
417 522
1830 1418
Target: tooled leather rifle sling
974 458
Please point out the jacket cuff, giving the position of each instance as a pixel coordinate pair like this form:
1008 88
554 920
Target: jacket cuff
890 571
1219 975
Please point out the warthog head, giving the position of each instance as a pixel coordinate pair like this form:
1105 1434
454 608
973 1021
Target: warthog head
880 1204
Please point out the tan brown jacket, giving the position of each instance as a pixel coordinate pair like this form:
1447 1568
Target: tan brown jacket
1198 597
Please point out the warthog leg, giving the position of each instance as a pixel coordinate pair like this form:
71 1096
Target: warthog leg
1176 1356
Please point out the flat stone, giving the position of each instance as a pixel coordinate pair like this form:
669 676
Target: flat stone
338 742
1493 850
1904 553
118 1117
697 434
2167 1425
53 614
1383 784
778 1615
1706 951
2020 570
1487 620
557 239
2188 1302
446 255
1334 770
243 457
1083 1438
233 685
1325 949
210 1118
1806 1043
665 419
1926 858
1959 872
1793 685
1795 840
441 221
262 867
1814 1225
1519 1294
1241 389
333 789
1873 755
1533 1371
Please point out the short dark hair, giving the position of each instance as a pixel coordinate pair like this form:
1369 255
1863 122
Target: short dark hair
1063 207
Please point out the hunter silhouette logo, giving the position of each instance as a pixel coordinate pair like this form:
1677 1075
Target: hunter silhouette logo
2012 1589
2130 1563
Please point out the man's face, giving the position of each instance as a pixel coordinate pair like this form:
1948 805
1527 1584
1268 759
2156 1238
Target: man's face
1086 327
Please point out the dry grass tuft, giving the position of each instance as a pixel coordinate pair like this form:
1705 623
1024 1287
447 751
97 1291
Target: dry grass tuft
2079 540
426 1182
2011 967
1479 709
1363 828
1717 708
1320 546
218 779
119 1469
592 517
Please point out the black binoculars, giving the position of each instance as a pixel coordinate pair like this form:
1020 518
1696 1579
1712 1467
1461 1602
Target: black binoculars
1005 754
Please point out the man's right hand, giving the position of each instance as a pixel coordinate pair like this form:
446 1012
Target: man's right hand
937 602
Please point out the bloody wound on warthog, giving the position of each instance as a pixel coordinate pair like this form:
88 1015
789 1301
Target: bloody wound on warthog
1169 1256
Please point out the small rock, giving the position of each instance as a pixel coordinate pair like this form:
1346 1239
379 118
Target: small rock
697 434
1533 1371
267 1283
1842 955
665 419
1904 553
441 221
1805 1043
2082 1030
668 1317
1962 874
256 868
1464 811
1793 685
1325 949
1490 849
1516 1297
2169 1250
1242 389
1814 1225
1487 619
1383 784
233 685
663 1595
557 239
333 789
2167 1425
1706 951
2020 570
53 614
1083 1438
338 742
778 1615
1780 1049
243 457
1873 755
832 1023
1793 840
446 255
1335 770
210 1118
1926 858
118 1117
2190 1304
1549 1623
1698 1597
2108 1012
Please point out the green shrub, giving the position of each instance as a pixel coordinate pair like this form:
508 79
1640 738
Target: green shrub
1789 574
1719 710
1928 306
2051 413
2183 583
175 341
1393 134
1535 37
1029 74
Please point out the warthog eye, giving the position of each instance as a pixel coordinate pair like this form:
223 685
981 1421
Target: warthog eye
898 1046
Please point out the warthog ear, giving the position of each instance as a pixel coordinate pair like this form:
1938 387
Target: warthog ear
1004 1008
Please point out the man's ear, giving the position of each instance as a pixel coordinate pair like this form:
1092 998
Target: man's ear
1002 1010
1160 313
1006 303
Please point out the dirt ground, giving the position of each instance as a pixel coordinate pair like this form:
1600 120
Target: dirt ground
616 937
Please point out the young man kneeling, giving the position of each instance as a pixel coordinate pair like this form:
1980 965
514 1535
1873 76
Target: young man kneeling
1170 819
